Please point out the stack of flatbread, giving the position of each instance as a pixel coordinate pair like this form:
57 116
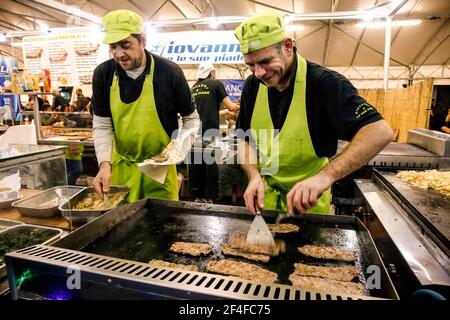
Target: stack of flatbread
326 278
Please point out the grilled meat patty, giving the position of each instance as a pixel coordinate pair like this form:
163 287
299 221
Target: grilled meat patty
191 248
335 273
242 270
327 285
229 250
283 228
329 253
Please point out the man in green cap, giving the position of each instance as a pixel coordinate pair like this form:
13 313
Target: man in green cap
296 111
136 98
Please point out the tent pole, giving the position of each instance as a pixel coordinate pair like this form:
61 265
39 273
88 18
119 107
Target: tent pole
387 52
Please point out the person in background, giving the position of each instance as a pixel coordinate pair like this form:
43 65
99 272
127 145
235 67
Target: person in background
136 98
438 115
81 102
59 102
297 110
446 127
208 93
74 163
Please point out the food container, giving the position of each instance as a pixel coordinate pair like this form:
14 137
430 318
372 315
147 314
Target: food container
8 197
45 204
22 236
5 224
71 212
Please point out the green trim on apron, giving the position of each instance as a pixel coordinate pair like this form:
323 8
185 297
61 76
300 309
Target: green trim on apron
291 151
139 135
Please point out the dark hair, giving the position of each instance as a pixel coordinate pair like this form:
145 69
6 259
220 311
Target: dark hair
278 46
137 36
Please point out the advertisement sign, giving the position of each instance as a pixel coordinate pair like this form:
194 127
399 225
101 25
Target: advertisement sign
233 88
195 47
71 58
6 65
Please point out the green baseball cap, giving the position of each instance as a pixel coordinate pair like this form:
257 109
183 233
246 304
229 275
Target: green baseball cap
260 31
119 24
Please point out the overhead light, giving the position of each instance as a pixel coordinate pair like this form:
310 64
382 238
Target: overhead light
43 26
394 23
149 28
2 37
97 33
214 23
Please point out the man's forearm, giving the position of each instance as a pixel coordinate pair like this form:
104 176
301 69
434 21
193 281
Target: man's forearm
248 159
367 143
103 138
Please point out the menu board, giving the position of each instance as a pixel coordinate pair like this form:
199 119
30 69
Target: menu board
71 58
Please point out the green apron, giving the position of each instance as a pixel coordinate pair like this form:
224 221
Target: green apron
291 151
139 135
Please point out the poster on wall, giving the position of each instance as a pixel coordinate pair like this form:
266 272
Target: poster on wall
7 64
195 47
233 88
71 58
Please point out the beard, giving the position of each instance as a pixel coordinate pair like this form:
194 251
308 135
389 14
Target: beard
130 63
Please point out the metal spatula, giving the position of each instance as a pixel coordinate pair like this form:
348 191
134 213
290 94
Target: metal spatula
259 233
106 199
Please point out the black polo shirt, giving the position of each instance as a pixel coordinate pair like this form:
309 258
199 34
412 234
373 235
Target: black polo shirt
334 109
171 90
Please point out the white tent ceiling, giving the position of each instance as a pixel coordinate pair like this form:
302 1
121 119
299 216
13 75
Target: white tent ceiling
334 43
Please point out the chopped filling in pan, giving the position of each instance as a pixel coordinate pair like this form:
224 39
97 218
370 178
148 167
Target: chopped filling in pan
433 179
166 264
228 250
283 228
193 249
329 253
327 285
94 202
335 273
242 270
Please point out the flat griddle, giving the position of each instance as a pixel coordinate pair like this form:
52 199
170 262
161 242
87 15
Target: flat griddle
148 233
429 208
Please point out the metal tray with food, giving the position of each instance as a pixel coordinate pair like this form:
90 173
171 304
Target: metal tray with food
8 197
23 236
86 205
5 224
45 204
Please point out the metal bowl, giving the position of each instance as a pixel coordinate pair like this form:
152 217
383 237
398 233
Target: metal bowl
45 204
7 198
80 216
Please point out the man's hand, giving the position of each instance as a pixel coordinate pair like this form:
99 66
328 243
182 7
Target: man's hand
304 194
254 192
101 180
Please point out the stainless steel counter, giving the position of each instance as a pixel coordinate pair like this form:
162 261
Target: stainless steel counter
404 155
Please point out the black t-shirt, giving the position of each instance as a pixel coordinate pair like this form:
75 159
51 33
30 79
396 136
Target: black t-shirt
208 94
333 107
59 102
171 90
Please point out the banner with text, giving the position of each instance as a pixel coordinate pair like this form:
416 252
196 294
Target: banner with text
233 88
71 58
194 47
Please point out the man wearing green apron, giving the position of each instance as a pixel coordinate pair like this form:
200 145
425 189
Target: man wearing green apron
136 98
292 114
